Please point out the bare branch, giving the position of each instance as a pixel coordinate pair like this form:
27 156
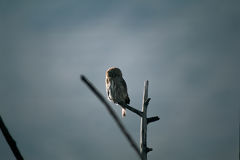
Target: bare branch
11 142
131 109
147 101
143 127
152 119
149 149
112 113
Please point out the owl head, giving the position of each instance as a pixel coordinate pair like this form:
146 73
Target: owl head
113 72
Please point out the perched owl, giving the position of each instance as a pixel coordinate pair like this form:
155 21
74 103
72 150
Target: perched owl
116 88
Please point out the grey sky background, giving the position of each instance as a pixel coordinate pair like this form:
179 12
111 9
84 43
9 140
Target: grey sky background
188 50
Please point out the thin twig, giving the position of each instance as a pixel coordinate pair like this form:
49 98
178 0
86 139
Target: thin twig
11 142
112 113
152 119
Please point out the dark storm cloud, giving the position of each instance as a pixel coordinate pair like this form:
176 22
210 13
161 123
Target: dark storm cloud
187 50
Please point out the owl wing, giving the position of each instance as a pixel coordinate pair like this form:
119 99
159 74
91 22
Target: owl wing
127 100
124 84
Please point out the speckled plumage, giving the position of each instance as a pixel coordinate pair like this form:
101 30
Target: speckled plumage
116 87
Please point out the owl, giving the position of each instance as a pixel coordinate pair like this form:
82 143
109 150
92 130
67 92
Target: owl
116 88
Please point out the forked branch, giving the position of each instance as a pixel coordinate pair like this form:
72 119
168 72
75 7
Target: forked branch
112 113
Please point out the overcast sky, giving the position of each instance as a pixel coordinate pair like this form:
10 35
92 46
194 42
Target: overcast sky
188 50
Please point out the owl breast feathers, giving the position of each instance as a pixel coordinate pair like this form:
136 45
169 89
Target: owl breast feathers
116 87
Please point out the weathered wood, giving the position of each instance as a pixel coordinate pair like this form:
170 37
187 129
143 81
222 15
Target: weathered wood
112 113
11 142
143 127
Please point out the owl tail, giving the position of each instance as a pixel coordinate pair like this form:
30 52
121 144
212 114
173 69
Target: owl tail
123 112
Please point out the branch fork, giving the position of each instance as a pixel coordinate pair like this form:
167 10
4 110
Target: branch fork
143 114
